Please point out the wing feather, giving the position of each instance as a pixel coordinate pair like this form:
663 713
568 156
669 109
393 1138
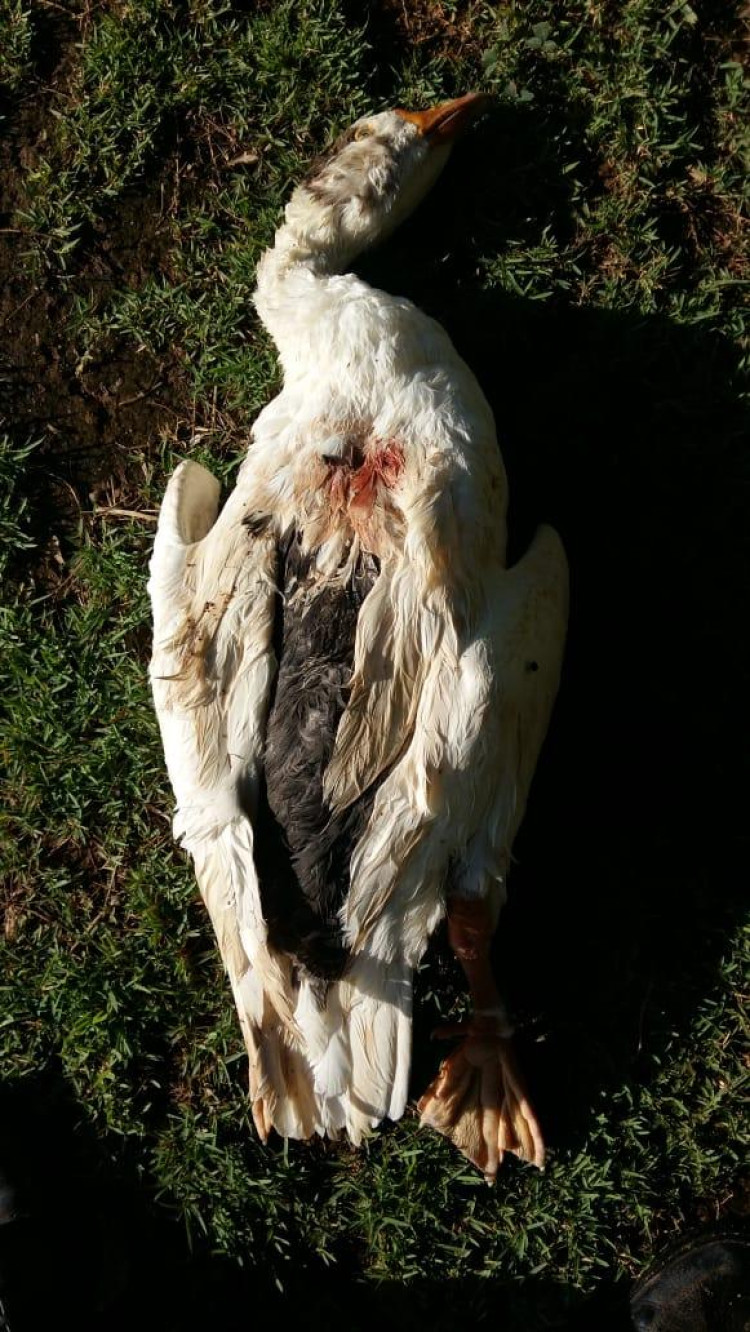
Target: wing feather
212 595
397 636
458 793
212 592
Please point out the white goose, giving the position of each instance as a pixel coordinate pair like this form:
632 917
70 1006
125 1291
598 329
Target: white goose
352 686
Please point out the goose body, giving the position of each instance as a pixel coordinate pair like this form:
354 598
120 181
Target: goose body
352 687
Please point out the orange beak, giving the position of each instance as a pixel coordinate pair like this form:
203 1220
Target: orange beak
444 123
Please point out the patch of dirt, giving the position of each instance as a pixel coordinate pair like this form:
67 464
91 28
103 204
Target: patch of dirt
699 217
391 25
447 31
92 419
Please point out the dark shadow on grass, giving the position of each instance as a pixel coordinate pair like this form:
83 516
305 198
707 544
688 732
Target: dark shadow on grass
623 431
83 1243
89 1247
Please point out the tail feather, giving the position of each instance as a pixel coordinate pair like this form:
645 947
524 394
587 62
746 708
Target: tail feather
325 1039
357 1039
378 997
282 1082
345 1063
323 1057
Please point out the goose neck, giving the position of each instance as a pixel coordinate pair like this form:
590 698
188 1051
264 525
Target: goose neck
300 289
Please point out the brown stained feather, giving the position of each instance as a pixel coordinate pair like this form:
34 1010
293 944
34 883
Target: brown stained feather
193 647
269 1046
379 718
409 842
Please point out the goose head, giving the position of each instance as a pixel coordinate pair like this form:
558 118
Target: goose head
374 175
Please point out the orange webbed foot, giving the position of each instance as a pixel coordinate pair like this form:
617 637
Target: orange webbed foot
478 1099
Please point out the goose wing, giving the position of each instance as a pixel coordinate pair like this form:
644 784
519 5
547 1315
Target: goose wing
212 667
213 592
448 810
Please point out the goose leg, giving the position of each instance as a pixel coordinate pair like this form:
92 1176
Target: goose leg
478 1098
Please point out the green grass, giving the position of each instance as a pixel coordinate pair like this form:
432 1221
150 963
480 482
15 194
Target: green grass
15 44
590 258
